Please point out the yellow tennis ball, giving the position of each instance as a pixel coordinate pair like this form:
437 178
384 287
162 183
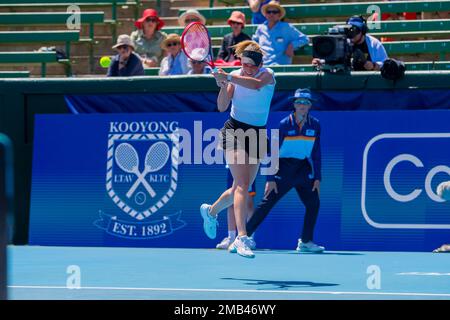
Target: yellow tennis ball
105 61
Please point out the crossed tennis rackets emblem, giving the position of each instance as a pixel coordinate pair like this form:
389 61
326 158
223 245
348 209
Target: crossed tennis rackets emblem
127 159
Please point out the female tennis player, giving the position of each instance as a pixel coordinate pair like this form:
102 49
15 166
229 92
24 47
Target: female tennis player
243 137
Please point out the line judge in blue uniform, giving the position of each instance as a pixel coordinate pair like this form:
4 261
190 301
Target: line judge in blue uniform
299 168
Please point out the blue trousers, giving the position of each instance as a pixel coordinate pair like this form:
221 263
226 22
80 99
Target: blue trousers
292 173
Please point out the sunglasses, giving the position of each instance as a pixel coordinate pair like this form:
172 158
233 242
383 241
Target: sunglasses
302 101
233 23
124 47
196 62
191 20
151 20
172 44
272 12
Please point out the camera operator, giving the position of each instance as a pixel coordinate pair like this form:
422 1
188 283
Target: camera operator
368 52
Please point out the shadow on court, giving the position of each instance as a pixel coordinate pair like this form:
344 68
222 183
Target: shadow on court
282 284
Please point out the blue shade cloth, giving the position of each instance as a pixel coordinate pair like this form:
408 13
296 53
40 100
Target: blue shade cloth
326 101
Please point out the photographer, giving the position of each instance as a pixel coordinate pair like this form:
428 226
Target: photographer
368 52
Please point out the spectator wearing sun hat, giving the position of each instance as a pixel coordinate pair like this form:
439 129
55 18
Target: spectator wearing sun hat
126 63
176 62
256 7
189 16
237 24
148 37
278 39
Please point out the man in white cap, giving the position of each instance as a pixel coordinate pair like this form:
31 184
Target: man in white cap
277 38
198 65
189 16
126 63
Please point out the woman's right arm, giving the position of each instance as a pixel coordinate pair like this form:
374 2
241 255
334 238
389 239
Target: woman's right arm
254 5
225 96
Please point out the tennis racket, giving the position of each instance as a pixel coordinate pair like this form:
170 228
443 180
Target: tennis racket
196 43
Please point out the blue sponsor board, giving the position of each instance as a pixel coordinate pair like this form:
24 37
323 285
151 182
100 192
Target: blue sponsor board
138 180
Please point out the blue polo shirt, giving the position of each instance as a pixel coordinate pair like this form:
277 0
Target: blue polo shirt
275 41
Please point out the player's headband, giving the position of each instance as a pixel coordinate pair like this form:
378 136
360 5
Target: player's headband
252 57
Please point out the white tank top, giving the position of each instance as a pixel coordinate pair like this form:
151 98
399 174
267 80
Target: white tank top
252 106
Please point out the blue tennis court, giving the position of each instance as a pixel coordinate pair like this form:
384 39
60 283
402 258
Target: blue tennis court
143 273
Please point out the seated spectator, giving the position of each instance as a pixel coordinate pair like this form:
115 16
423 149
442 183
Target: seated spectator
256 7
176 62
189 16
148 38
237 23
199 67
126 63
278 39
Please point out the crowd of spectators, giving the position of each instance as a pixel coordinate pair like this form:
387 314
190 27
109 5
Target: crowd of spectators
278 39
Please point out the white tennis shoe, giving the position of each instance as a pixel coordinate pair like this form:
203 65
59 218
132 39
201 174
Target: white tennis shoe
251 243
241 246
224 244
309 247
209 222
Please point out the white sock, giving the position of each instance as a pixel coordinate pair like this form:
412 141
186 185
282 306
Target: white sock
209 212
232 235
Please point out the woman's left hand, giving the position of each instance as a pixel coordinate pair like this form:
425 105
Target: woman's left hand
221 76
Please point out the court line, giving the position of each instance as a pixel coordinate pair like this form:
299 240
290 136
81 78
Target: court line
436 274
240 291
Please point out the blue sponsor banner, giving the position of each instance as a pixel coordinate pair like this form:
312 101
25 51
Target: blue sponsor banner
130 180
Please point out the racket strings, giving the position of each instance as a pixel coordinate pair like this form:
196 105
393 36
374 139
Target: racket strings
126 157
197 43
157 156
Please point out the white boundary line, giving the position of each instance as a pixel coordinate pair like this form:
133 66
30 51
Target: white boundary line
241 291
